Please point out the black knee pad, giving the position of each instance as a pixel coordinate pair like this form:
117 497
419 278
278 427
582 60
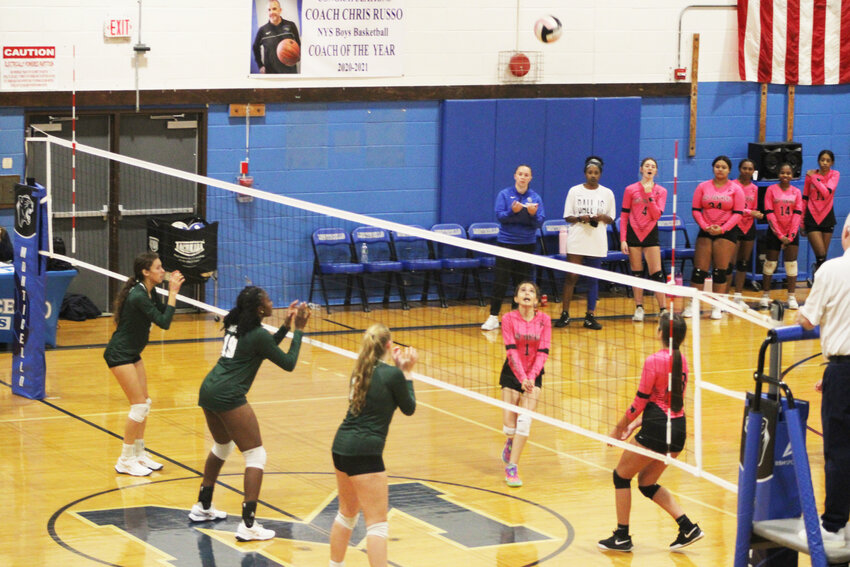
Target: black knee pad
649 491
657 276
620 482
729 270
718 275
698 277
742 265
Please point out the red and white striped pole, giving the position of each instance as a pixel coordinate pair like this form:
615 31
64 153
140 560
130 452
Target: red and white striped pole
74 151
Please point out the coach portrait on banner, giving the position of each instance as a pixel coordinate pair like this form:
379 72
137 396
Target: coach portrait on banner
277 44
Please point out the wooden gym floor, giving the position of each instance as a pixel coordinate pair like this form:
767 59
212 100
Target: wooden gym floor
450 505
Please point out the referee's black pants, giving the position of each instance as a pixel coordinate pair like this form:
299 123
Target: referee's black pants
509 269
835 415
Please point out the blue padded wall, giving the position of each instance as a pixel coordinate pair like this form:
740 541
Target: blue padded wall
484 141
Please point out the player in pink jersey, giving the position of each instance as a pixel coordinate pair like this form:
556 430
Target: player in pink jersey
783 207
660 398
746 227
643 204
527 333
818 197
717 207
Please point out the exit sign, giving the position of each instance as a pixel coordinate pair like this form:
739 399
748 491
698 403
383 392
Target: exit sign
117 27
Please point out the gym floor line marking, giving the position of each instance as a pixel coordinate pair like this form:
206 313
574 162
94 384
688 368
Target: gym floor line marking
569 456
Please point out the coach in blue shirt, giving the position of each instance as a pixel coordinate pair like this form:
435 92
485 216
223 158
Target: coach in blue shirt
520 212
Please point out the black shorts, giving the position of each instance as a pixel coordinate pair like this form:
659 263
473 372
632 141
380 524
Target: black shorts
354 465
772 242
113 360
827 225
653 431
731 235
748 236
650 240
508 380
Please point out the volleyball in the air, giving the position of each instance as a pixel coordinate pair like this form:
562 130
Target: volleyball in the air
548 29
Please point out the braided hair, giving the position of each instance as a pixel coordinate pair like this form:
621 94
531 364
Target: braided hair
246 314
679 329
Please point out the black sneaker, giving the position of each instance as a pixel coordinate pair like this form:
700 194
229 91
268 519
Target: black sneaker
590 322
563 320
685 539
616 543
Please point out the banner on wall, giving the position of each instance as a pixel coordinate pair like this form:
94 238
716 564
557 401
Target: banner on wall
327 38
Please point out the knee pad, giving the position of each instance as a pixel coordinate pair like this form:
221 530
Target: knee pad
718 275
649 491
742 265
138 412
620 482
509 431
698 276
729 270
223 451
769 267
523 425
348 523
791 269
657 276
378 529
255 458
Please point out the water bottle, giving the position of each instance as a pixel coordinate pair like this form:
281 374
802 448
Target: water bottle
562 241
364 253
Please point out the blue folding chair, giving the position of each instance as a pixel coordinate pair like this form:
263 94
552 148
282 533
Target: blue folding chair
667 225
458 260
379 258
333 257
417 259
548 242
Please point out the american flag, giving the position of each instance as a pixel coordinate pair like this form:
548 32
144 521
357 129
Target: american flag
795 42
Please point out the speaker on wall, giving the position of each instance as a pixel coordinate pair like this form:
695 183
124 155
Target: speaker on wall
768 156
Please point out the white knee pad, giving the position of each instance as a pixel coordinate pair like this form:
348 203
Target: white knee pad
791 269
509 431
255 458
223 451
769 267
379 529
138 412
347 522
523 424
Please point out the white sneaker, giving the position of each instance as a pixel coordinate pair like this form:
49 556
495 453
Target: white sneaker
792 303
689 311
738 299
716 313
491 323
638 316
831 540
131 466
254 533
146 461
198 514
764 302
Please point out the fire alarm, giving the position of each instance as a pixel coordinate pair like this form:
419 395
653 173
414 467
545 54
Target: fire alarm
680 74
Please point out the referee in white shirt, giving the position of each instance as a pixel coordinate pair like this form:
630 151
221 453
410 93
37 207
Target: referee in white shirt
828 305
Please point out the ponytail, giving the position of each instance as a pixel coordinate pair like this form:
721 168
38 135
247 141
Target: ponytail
142 262
372 350
678 328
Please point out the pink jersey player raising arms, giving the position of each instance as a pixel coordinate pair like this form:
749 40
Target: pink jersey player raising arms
659 403
717 207
746 227
527 333
783 207
818 196
643 205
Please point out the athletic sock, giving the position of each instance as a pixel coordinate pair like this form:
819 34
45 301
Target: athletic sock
139 447
248 511
128 451
685 523
205 496
622 530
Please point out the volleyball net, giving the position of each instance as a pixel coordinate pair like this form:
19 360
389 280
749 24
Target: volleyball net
107 208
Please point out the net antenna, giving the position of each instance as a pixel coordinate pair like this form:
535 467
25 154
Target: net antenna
672 280
73 154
